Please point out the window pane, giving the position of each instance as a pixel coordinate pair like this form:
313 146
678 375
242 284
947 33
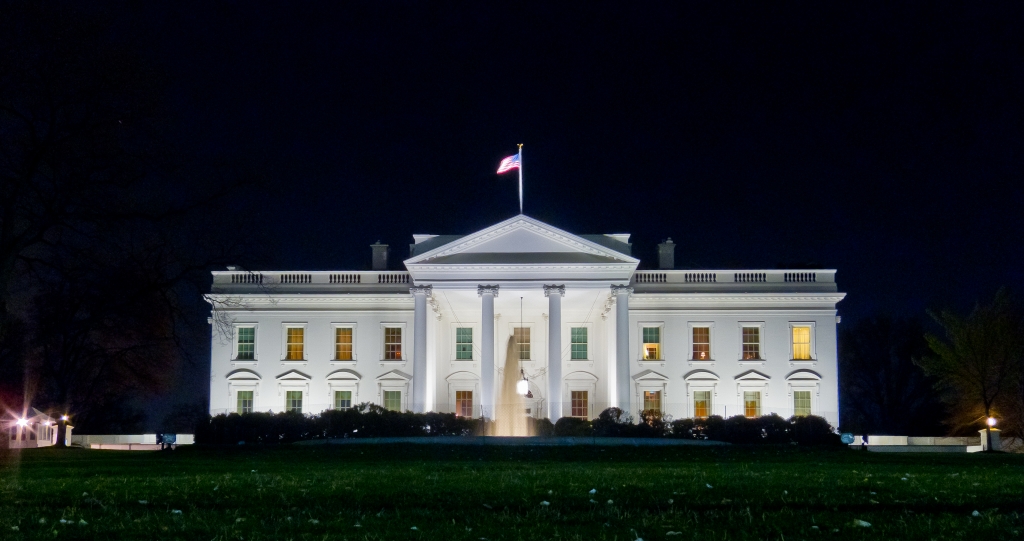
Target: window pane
801 403
464 403
701 403
579 343
244 401
522 336
801 342
293 401
392 343
342 400
752 403
464 344
701 343
343 344
246 343
652 343
751 342
580 404
295 343
652 400
393 400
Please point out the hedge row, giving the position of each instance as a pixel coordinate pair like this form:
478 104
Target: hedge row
372 421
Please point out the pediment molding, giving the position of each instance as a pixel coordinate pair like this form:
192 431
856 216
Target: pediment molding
542 231
293 375
394 375
803 375
243 374
649 375
753 375
700 375
344 374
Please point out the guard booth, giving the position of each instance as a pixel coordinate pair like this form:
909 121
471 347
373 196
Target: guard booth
35 430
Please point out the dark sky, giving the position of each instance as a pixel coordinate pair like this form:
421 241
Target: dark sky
883 141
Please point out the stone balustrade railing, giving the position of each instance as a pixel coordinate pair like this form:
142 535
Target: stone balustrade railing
733 276
286 278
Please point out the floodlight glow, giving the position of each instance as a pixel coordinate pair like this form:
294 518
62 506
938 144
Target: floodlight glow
22 422
991 421
522 387
64 417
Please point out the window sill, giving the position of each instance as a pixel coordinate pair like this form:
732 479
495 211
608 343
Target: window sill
392 361
651 362
243 362
752 362
701 362
294 362
343 362
803 362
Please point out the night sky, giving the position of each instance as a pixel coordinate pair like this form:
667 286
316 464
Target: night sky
883 141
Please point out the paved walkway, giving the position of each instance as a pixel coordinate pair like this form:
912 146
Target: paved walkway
504 440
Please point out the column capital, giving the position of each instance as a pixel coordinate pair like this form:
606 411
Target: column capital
420 290
493 290
548 290
622 290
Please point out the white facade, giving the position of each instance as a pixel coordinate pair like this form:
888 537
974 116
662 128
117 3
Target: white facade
282 338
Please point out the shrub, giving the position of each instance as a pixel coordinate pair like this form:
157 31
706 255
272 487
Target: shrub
613 423
571 426
652 425
813 430
543 427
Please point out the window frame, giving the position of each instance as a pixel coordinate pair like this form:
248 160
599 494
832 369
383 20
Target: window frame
710 326
473 347
567 333
812 345
383 335
661 399
255 342
302 399
711 402
284 341
384 398
579 380
334 348
252 400
642 351
586 404
472 403
760 402
334 398
760 344
512 326
810 400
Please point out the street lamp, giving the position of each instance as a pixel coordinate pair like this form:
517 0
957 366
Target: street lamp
991 421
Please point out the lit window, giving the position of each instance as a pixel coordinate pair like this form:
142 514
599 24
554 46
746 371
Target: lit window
464 344
579 343
246 343
652 343
652 401
245 401
464 403
343 343
751 403
701 343
701 403
801 342
393 400
392 343
580 404
293 401
522 336
751 342
801 403
342 400
296 344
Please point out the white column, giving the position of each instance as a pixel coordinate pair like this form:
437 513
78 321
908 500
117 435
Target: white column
554 295
487 294
621 294
419 348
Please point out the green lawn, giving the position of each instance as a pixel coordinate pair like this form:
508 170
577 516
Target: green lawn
461 492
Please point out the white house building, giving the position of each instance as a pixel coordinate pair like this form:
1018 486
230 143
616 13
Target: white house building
592 331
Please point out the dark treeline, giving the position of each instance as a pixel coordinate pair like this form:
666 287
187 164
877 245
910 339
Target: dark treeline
107 230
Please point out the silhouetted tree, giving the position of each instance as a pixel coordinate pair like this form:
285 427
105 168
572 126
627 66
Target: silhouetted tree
882 391
976 363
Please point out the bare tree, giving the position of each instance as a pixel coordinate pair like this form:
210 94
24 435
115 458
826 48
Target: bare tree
977 361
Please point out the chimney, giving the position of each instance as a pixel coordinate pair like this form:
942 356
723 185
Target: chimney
667 254
380 256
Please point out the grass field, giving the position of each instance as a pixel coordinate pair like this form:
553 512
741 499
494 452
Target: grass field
452 493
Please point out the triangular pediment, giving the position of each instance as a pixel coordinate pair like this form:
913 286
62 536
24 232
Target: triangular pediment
521 241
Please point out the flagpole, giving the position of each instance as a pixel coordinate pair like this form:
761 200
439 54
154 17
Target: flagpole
520 178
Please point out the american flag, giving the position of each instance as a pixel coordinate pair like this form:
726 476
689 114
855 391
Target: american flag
508 164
